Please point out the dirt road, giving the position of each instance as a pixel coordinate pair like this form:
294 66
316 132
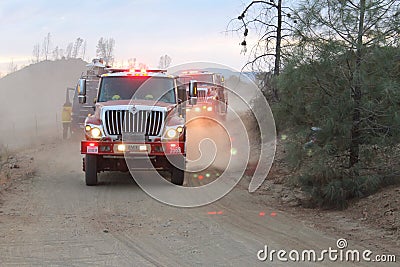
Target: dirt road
54 219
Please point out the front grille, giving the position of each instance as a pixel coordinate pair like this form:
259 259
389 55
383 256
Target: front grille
202 95
148 122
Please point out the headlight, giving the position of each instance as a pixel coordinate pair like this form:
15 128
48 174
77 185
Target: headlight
95 132
171 133
121 148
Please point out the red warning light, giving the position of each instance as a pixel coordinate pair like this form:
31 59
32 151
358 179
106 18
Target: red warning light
261 213
273 214
201 177
215 212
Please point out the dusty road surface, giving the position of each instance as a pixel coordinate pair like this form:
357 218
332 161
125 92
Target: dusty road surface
53 219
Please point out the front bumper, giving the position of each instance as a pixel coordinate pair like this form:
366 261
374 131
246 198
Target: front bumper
202 107
113 148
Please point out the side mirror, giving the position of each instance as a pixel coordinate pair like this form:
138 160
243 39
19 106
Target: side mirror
82 87
95 100
193 92
180 103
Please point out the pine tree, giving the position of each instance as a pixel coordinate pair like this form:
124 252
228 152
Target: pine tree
343 78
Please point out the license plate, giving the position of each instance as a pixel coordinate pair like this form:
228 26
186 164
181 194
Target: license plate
93 149
176 150
138 148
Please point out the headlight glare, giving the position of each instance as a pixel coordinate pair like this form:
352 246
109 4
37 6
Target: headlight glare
171 133
95 132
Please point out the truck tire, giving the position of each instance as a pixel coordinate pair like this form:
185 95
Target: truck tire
177 176
178 172
221 110
222 116
91 170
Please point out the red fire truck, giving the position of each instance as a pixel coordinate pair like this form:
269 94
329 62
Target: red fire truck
152 114
212 98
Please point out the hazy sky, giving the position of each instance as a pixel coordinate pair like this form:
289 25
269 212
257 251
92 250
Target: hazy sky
185 30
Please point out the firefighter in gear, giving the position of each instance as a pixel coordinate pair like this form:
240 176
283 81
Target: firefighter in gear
116 97
66 118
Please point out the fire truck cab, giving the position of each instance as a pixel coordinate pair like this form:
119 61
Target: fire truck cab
140 103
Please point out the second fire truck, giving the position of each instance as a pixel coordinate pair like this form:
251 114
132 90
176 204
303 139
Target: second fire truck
212 98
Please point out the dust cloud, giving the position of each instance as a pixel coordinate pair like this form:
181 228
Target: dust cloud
213 142
32 99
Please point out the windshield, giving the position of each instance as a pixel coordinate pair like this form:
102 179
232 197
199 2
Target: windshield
126 88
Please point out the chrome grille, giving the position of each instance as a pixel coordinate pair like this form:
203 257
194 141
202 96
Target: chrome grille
148 122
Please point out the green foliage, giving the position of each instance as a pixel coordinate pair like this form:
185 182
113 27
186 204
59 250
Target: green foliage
318 93
342 75
336 192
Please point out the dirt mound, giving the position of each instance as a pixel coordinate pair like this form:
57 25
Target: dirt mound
380 210
31 100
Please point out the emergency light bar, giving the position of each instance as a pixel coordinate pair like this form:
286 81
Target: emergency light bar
149 71
113 70
142 71
195 72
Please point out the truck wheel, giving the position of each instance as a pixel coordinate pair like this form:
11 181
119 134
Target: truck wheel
178 172
177 176
222 116
91 170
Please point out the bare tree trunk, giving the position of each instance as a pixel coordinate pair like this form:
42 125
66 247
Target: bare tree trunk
278 49
278 40
84 50
46 46
355 130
